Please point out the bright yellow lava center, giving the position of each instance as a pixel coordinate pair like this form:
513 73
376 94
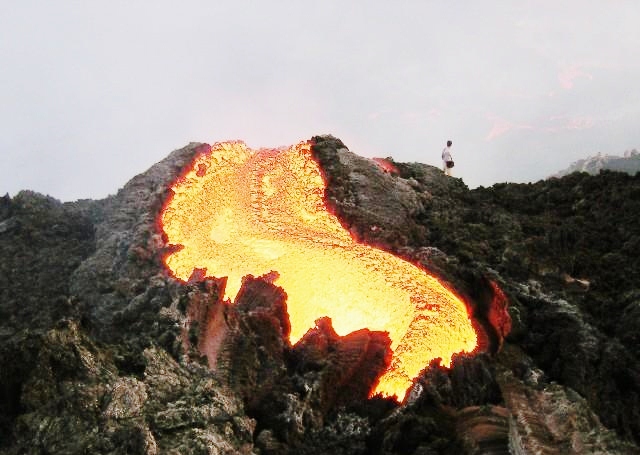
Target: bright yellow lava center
238 212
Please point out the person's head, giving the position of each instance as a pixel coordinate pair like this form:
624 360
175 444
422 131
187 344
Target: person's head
449 143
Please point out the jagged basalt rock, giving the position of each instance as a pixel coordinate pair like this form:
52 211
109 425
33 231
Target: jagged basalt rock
252 356
289 391
470 382
42 242
549 418
349 366
103 351
373 206
484 430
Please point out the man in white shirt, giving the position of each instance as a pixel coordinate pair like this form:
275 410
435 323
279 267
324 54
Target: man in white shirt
447 159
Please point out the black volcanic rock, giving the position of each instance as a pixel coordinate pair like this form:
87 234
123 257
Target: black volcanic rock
102 351
348 366
373 205
42 242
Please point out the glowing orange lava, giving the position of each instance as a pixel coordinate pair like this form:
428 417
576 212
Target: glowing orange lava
238 212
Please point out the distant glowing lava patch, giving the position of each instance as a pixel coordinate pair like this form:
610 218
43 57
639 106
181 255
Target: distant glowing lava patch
237 212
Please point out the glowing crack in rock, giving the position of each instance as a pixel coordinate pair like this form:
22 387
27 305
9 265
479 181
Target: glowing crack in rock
237 212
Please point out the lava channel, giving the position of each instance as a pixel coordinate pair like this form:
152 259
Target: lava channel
237 211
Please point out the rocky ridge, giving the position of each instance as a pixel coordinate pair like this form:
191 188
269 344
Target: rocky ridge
102 351
628 163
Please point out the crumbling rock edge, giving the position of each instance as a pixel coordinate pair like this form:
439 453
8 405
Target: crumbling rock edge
102 351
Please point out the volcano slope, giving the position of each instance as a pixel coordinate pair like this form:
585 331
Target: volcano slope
103 351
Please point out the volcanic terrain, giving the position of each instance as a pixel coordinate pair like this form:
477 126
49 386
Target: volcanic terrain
173 316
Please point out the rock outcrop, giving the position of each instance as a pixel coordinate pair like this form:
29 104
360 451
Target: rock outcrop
103 351
629 163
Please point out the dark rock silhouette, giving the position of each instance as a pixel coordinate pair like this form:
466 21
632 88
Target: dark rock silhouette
102 351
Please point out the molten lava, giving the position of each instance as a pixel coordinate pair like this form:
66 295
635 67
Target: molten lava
238 212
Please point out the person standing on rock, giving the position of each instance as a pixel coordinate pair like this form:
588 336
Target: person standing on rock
447 159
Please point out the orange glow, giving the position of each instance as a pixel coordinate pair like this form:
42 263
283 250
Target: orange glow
238 212
386 165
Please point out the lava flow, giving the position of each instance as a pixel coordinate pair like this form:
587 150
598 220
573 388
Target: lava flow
238 212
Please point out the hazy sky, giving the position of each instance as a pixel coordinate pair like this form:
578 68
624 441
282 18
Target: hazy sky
94 92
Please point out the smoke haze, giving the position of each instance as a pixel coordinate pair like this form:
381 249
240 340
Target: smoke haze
96 92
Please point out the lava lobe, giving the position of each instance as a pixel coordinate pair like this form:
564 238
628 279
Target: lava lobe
237 211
